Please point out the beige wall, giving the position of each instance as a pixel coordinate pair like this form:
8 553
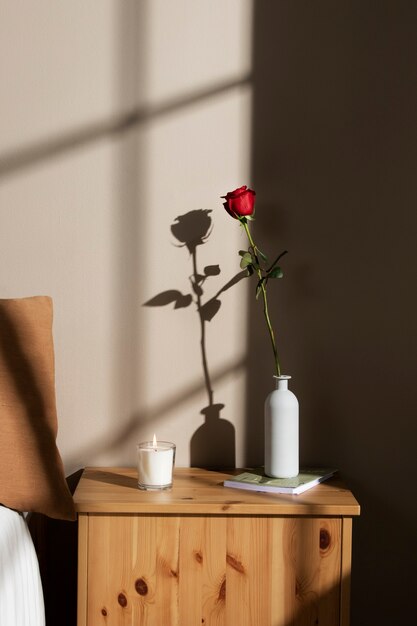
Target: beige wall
116 117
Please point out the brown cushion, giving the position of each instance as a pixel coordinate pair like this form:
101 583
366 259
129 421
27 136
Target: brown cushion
31 472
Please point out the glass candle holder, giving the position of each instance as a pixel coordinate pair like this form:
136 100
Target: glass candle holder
155 464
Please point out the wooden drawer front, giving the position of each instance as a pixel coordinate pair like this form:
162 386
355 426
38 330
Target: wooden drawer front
213 571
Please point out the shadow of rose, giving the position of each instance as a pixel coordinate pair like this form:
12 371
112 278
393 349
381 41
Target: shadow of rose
213 443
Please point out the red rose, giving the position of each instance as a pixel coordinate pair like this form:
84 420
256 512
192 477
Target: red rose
240 202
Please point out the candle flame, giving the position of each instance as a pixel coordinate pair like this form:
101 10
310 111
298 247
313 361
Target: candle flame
154 442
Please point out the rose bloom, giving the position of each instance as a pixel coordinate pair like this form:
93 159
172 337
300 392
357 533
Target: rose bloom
240 202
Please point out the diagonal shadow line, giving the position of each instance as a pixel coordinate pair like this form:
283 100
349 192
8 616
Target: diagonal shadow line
16 160
113 440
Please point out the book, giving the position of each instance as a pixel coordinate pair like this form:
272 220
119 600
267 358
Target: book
256 480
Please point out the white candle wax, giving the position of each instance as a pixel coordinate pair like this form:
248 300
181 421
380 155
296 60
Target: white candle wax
155 463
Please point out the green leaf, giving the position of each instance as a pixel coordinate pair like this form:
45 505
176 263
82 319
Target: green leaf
276 272
246 260
255 262
243 252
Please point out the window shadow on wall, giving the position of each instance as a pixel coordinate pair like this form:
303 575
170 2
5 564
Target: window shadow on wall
130 223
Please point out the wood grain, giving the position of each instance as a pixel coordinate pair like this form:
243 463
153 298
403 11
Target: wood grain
202 571
306 579
198 491
146 568
346 564
248 577
82 569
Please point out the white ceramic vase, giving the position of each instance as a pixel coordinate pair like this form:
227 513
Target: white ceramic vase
281 431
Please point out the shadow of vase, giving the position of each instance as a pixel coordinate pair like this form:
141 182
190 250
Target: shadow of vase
212 446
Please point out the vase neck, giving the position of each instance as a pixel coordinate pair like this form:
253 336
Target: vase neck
281 382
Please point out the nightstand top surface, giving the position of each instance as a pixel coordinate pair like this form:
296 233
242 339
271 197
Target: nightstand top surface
201 492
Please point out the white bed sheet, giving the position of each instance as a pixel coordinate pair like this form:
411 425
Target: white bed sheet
21 597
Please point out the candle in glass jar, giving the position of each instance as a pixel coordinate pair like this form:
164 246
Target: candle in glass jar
155 464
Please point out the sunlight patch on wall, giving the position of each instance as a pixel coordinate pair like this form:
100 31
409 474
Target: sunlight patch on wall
196 153
106 140
194 47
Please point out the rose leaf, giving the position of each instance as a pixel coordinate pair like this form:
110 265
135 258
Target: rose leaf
276 272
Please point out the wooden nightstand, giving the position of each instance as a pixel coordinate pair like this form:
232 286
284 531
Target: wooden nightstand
203 554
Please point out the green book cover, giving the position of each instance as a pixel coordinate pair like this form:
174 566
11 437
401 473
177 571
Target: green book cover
256 480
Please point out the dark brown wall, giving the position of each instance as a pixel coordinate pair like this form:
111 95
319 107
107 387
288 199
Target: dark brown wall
334 167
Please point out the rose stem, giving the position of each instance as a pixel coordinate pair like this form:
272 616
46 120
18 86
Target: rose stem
266 313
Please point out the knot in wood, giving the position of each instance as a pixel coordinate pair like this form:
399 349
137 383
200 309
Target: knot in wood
324 539
198 557
222 591
122 600
104 611
141 587
235 563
